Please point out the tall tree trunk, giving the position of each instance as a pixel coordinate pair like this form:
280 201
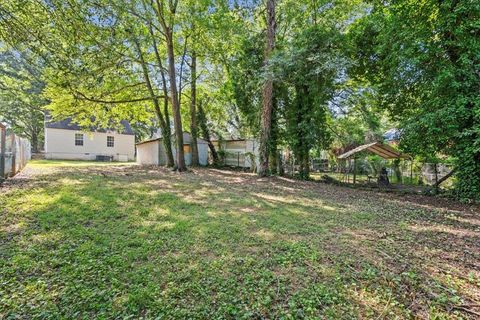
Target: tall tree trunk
166 131
177 118
202 120
193 111
168 33
273 141
305 166
267 96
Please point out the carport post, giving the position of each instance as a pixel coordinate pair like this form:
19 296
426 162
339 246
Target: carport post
3 137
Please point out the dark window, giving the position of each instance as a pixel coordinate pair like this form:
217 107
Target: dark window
79 139
110 141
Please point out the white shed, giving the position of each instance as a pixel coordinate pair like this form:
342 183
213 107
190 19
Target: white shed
152 152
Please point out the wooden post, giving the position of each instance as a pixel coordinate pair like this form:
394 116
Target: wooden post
354 170
238 159
292 161
3 143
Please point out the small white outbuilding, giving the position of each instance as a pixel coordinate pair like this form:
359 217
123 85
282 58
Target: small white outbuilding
152 152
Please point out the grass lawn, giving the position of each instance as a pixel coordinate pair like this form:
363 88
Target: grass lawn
83 240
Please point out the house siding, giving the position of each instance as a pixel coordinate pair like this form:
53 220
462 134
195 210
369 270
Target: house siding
60 144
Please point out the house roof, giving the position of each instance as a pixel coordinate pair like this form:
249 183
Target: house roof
233 140
393 134
186 139
378 148
67 124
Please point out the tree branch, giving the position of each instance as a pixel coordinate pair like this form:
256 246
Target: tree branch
81 96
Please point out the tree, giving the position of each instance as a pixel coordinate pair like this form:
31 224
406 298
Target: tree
193 109
164 123
308 70
267 94
166 17
21 100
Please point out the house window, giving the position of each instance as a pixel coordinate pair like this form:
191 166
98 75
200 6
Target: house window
110 141
79 139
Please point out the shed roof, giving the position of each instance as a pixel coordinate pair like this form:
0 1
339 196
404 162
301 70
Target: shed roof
186 139
378 148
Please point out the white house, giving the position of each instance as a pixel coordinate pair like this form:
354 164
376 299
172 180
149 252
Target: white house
66 140
153 151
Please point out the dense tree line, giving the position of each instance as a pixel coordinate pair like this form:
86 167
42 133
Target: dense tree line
21 99
298 75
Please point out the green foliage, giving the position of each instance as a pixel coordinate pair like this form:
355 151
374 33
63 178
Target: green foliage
423 58
246 82
21 99
307 69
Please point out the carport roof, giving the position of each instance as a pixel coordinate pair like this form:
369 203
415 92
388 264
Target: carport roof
378 148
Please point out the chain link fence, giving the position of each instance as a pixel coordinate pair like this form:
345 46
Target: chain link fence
15 152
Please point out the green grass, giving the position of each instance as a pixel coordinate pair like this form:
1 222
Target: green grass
41 164
88 240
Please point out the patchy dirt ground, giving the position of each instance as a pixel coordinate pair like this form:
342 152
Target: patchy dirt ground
119 241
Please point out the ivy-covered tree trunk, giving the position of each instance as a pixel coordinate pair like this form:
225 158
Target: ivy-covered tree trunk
467 184
305 165
274 137
267 95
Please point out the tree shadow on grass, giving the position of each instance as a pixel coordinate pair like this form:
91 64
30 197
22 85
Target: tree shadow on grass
152 243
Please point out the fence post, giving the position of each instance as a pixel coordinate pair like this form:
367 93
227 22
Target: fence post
14 155
238 159
3 145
